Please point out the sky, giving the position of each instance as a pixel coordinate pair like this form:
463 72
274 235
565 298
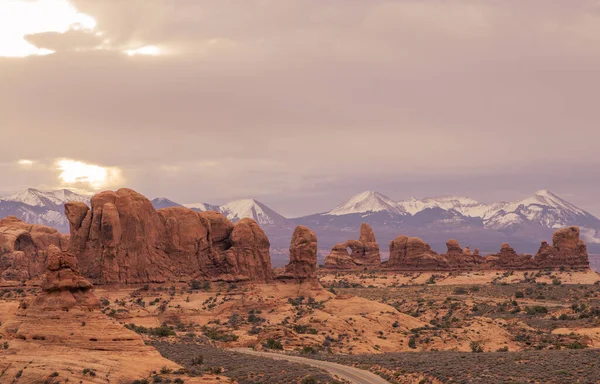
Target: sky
302 103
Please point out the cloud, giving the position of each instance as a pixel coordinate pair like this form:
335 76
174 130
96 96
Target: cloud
293 100
72 40
25 162
77 173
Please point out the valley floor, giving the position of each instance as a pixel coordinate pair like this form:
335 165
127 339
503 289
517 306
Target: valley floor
492 327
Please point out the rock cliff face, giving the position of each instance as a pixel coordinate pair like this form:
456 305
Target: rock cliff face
303 257
413 254
123 239
24 248
353 254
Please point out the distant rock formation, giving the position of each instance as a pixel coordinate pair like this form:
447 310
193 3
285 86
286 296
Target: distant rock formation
303 257
507 258
567 250
123 239
363 253
413 254
63 287
24 248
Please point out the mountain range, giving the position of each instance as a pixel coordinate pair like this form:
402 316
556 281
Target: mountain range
523 223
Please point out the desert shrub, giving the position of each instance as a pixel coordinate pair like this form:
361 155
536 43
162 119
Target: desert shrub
460 291
519 295
536 309
305 329
273 344
309 380
412 342
165 371
215 333
476 346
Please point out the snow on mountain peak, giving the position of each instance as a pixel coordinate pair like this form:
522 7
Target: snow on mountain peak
544 193
368 201
250 208
37 198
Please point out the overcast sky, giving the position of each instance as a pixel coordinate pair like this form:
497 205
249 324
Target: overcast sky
302 103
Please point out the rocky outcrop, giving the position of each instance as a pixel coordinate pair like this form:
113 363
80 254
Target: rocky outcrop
303 257
62 330
24 248
123 239
461 259
353 254
507 258
63 287
567 250
413 254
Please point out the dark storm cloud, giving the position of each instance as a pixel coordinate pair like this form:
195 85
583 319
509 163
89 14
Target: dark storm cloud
303 103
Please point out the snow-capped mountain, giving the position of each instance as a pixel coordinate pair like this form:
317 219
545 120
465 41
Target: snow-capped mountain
543 210
37 198
263 215
367 202
41 207
202 207
234 210
464 205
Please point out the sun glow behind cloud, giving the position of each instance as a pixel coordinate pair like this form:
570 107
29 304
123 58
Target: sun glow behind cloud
150 50
95 176
20 18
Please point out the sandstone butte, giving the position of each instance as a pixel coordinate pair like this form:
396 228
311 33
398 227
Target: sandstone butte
63 330
24 248
363 252
303 257
413 254
123 239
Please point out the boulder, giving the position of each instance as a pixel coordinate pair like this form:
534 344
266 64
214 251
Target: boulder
123 239
24 248
303 257
353 253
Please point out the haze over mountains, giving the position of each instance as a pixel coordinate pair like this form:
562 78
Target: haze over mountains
522 223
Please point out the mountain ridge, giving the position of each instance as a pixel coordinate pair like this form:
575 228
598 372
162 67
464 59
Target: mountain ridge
542 211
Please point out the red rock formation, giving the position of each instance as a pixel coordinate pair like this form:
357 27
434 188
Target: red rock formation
567 250
62 331
461 259
507 258
363 253
24 248
303 257
63 286
412 253
123 239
